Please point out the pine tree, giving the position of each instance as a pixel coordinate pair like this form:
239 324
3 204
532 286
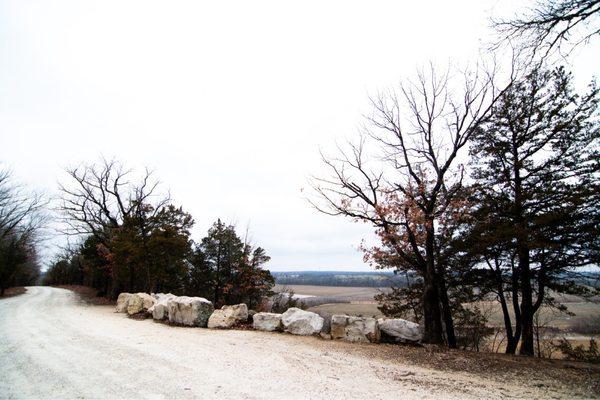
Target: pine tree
536 171
152 247
227 270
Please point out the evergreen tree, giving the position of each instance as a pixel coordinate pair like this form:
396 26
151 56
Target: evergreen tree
150 249
227 270
536 170
222 249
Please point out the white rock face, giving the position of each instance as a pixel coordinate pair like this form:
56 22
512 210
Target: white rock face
400 330
160 310
355 329
190 311
300 322
139 302
265 321
122 302
228 316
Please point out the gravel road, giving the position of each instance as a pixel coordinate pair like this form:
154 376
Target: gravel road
52 345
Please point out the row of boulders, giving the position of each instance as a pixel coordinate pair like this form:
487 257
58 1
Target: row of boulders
343 327
294 321
181 310
197 311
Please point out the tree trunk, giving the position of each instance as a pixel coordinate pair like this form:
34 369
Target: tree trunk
433 332
447 312
526 305
521 236
511 344
511 347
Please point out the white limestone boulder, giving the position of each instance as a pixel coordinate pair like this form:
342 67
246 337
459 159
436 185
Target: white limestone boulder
399 330
265 321
300 322
228 316
122 301
190 311
355 329
160 310
139 302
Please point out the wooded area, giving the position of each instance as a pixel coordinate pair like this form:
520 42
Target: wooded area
138 241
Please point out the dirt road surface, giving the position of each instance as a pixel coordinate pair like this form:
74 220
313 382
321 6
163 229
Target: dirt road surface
54 346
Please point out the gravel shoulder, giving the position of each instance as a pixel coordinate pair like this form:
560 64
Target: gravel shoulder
53 345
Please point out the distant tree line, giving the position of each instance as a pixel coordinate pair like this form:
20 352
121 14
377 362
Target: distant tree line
348 279
135 240
480 188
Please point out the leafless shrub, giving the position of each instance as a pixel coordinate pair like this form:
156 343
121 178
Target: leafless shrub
284 300
579 352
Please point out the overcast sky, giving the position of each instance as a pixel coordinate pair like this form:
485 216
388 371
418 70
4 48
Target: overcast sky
228 101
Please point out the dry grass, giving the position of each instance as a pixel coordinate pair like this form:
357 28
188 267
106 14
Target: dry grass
585 314
13 291
89 295
582 379
363 310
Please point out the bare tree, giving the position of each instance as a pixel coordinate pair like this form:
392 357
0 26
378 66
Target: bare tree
411 185
19 209
552 23
98 197
97 201
22 217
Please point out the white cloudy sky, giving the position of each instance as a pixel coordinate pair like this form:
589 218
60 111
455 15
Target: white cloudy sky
228 101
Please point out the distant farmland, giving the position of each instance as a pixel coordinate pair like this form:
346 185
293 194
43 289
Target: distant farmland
348 292
344 279
351 299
